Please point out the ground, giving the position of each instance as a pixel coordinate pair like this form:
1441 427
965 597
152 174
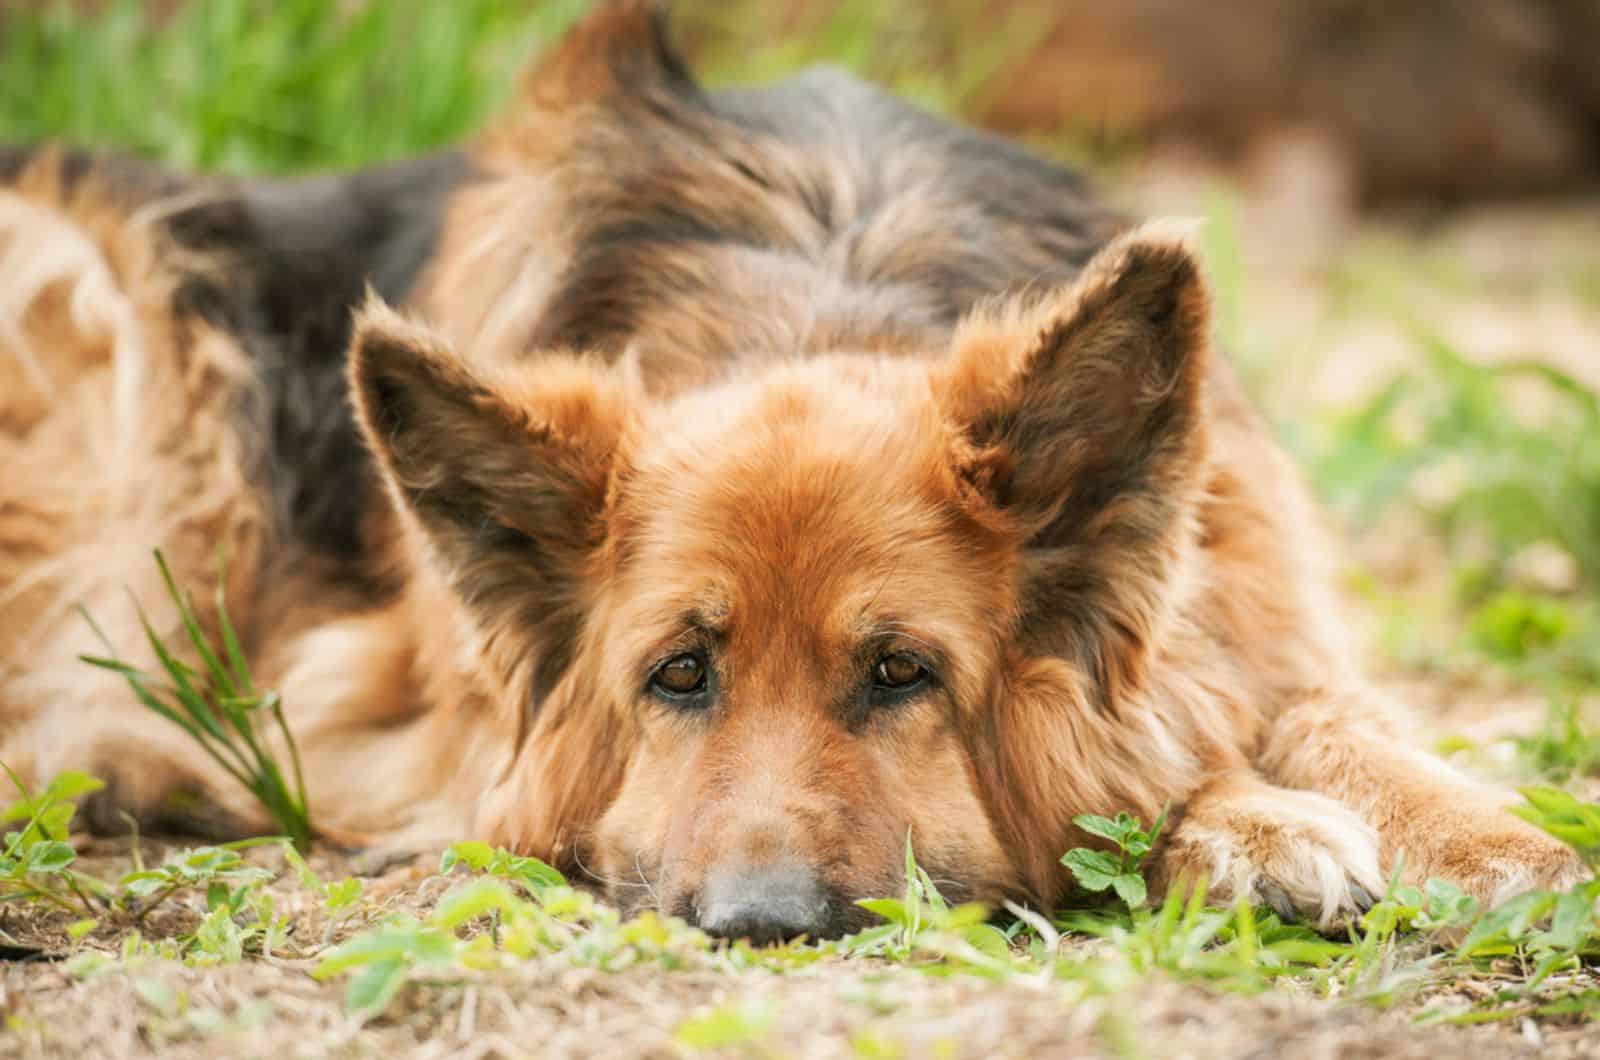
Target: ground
1468 508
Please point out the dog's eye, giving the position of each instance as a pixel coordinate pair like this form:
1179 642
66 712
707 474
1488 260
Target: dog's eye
899 673
680 676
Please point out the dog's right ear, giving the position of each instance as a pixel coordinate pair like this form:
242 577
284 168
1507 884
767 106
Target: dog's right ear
506 476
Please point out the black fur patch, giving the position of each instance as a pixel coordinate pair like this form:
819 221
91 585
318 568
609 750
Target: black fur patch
301 256
314 247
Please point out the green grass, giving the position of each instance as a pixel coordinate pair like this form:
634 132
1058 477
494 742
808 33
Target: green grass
249 86
509 909
37 869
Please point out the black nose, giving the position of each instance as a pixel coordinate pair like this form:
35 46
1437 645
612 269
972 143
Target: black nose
765 905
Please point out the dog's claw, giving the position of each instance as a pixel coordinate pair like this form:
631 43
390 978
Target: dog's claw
1278 899
1362 897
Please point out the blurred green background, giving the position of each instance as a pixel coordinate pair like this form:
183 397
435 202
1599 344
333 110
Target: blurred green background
1433 363
1428 98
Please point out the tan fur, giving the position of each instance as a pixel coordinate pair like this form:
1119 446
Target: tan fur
1061 505
116 438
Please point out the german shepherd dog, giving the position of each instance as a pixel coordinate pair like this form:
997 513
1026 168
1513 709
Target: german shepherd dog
746 482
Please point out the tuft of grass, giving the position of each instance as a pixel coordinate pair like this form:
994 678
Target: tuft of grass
923 924
218 707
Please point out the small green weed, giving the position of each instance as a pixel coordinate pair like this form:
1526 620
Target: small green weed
337 897
922 922
37 866
36 863
1097 871
532 873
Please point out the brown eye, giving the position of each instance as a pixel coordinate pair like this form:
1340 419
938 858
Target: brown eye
899 672
681 675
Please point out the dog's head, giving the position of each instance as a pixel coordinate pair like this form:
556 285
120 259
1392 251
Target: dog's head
757 634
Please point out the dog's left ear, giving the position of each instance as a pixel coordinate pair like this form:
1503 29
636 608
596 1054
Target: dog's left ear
1082 420
506 475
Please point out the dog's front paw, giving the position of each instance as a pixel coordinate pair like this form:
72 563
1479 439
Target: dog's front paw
1304 855
1489 854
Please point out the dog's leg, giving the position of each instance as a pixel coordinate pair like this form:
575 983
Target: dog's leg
1440 822
1301 853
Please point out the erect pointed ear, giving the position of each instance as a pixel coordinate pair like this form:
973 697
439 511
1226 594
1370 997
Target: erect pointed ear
506 477
619 47
1083 421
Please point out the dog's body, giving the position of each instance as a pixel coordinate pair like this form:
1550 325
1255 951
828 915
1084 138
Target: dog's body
886 488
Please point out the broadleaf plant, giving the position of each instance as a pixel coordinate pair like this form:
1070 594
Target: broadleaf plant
1098 871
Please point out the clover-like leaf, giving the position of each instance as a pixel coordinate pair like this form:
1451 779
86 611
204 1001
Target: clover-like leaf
1130 888
1093 869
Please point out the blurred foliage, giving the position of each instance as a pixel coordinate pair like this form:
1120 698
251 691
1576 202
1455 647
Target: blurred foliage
1565 747
1503 461
249 86
257 86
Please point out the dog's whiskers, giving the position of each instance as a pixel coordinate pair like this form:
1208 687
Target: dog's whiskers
644 881
611 881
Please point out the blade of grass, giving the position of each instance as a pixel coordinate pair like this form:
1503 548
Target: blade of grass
191 625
